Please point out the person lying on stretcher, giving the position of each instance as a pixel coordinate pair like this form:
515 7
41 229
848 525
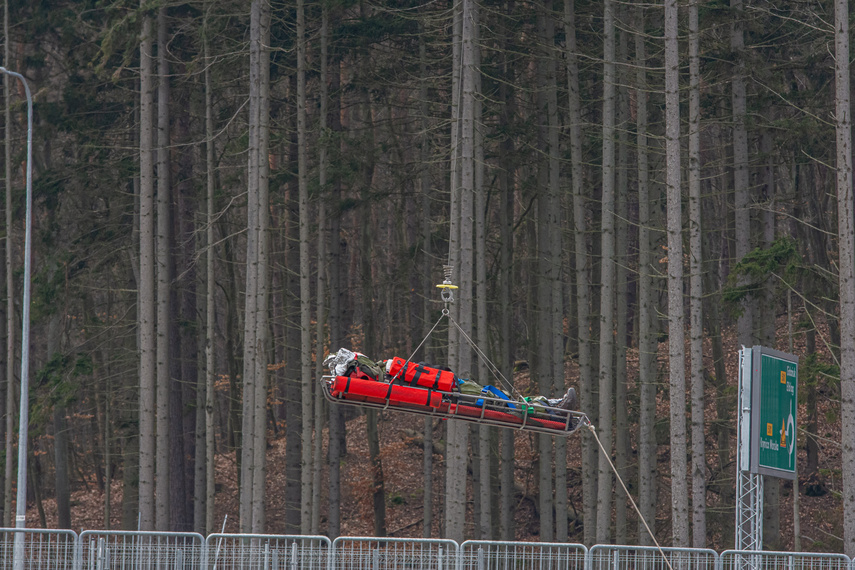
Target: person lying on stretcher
397 370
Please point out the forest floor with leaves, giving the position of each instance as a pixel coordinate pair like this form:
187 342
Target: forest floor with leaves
402 463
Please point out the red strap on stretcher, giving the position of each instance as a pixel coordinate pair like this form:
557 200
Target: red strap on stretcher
421 375
358 389
478 412
380 392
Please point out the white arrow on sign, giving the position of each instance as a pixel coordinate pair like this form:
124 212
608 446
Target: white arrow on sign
791 429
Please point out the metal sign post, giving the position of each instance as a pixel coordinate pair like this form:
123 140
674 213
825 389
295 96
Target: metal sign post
749 486
766 434
21 501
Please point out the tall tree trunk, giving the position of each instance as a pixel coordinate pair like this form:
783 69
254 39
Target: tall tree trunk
481 331
253 448
129 438
35 476
108 435
696 338
458 434
193 343
455 170
768 307
427 292
767 316
210 314
234 347
622 288
185 340
809 384
199 497
60 435
370 325
797 525
164 279
506 209
372 416
293 408
146 302
262 321
607 272
336 430
723 483
546 218
676 358
647 344
742 213
305 292
846 237
378 494
323 263
556 253
8 472
252 285
583 285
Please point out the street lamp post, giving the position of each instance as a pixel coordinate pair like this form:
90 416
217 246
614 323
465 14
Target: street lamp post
24 417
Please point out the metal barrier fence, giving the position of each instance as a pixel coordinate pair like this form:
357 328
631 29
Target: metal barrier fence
106 550
267 552
767 560
360 553
610 557
40 549
490 555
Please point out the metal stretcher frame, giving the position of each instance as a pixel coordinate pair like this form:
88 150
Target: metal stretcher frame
477 409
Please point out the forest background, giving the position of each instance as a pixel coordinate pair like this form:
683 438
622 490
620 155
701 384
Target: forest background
626 193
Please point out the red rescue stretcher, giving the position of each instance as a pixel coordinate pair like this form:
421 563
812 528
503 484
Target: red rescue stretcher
430 392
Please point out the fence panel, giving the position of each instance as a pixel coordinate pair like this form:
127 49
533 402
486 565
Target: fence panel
360 553
267 552
41 549
490 555
109 550
612 557
763 560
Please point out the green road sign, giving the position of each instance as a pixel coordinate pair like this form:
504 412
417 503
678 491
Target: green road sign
774 382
